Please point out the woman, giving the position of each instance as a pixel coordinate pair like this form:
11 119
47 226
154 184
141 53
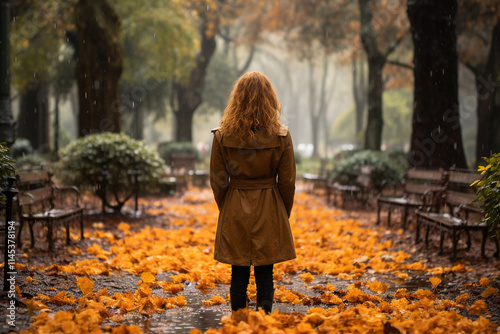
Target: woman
252 175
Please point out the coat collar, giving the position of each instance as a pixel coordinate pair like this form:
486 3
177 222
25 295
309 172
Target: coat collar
258 142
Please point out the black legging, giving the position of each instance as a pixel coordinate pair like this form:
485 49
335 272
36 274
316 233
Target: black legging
240 277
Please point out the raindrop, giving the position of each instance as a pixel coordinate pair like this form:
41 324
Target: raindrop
455 145
443 71
431 73
95 102
34 75
208 7
154 35
85 94
55 25
35 110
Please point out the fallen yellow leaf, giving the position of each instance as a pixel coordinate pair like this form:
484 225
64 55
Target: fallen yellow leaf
435 281
148 277
489 292
484 281
479 307
85 284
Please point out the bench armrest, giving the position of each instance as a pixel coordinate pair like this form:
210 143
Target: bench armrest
25 198
464 211
431 199
62 190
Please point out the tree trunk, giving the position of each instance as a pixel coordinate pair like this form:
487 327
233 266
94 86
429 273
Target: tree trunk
138 126
99 67
375 121
436 139
487 141
7 124
33 119
495 124
189 95
359 92
376 62
313 112
56 125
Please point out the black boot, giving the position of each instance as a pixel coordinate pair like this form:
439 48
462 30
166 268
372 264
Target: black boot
238 301
265 302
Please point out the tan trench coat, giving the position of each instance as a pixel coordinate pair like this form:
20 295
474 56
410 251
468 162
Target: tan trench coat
253 182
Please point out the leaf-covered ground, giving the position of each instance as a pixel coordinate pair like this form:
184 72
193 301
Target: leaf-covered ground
156 274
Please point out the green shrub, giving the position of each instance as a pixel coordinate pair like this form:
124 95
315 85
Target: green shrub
20 148
6 165
488 189
30 161
166 149
82 163
387 170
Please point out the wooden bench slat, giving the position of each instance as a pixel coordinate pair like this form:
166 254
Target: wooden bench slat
457 198
425 174
466 179
420 189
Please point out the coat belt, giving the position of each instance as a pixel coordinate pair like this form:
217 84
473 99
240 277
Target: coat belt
253 184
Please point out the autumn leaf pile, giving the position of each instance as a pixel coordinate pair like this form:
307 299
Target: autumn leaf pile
328 242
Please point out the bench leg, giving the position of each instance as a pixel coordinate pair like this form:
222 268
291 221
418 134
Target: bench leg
469 242
483 243
19 243
427 228
388 217
343 197
405 215
379 207
81 227
32 236
455 242
417 233
66 225
49 235
441 242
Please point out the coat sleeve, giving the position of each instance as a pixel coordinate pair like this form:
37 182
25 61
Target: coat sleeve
219 178
286 175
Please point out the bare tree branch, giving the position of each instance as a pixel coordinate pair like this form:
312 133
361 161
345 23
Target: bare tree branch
400 64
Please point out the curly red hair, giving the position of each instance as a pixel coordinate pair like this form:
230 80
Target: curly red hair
253 107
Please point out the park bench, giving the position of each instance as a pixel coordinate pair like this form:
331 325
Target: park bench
181 165
183 168
359 192
314 181
41 201
420 185
458 213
